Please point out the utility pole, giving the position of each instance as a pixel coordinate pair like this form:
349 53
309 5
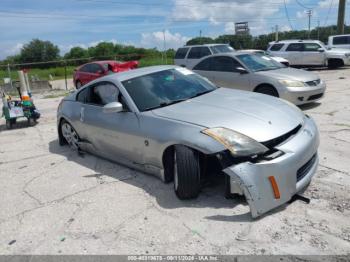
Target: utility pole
200 37
318 29
341 17
309 14
276 33
165 52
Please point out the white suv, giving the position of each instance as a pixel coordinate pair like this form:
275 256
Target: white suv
188 56
309 53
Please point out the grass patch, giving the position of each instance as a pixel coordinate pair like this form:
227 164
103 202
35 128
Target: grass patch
58 72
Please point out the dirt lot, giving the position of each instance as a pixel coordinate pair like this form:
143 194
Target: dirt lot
54 201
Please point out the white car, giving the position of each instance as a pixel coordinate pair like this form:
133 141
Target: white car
188 56
309 53
339 41
261 74
265 53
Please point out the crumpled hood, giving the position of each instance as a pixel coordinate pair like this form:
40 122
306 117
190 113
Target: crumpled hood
258 116
290 74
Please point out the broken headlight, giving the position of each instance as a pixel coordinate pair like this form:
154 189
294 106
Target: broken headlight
238 144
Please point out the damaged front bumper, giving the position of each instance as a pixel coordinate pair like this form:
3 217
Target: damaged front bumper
269 184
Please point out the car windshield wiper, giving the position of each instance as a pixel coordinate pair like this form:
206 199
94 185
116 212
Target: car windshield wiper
266 69
164 104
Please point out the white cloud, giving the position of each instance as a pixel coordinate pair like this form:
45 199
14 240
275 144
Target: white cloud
228 12
325 3
156 39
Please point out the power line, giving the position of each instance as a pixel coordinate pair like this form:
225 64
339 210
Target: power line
287 15
303 6
329 11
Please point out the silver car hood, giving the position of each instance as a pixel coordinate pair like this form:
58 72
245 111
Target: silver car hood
260 117
341 51
290 74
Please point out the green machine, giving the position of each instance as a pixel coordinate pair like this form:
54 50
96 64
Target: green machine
23 107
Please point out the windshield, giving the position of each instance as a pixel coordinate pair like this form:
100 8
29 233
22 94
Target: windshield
259 62
166 87
221 49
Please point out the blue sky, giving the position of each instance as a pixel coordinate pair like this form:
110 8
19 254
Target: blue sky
84 23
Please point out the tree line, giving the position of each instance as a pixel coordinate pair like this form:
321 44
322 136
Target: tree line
43 51
262 41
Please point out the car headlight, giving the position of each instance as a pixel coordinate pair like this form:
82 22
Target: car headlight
292 83
238 144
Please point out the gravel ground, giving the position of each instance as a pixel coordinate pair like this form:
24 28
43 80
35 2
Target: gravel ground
54 201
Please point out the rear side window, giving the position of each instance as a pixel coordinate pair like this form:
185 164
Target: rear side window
341 40
295 47
225 64
204 65
181 53
85 68
82 96
276 47
198 52
94 68
309 47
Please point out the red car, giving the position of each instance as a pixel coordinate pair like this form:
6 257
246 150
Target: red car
90 71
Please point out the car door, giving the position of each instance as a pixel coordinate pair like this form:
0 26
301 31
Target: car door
95 71
83 74
204 69
112 135
314 54
226 74
294 53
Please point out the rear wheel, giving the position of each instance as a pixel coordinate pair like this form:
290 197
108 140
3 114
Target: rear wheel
10 123
70 135
335 63
267 90
186 172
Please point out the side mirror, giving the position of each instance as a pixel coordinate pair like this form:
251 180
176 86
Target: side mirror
241 70
321 50
114 107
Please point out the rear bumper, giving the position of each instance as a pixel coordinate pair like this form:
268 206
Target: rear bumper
300 96
300 157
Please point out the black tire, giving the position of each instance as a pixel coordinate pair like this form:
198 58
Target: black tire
335 63
186 172
73 142
267 90
78 85
31 121
9 123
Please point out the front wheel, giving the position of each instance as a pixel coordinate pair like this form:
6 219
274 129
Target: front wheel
70 135
267 90
186 172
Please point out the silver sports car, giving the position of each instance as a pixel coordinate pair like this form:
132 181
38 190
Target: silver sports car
175 124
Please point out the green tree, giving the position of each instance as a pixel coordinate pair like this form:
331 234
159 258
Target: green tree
104 50
39 51
200 41
76 53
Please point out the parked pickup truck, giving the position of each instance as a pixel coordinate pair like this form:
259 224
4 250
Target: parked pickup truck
339 41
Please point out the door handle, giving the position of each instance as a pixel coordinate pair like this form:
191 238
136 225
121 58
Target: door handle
82 114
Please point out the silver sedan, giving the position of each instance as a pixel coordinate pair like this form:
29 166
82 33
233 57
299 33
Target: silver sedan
175 124
261 74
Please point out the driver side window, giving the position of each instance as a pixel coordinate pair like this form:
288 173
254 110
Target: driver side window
103 94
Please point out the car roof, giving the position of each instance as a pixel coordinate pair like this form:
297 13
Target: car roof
295 41
208 45
122 76
99 62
